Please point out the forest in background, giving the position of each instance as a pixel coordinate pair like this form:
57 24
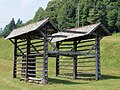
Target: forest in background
64 13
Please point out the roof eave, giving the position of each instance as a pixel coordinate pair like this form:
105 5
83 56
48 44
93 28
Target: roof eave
47 20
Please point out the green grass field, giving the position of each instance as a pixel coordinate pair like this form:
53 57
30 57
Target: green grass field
110 70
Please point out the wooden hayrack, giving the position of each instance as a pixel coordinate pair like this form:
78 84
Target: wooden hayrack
77 51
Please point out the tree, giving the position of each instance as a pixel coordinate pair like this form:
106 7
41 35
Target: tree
67 14
19 23
52 10
39 15
8 28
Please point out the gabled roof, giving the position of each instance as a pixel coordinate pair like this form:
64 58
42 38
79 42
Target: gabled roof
29 28
82 31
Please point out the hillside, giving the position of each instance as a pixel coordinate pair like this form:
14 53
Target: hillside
110 64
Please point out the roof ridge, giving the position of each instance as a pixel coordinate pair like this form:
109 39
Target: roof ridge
85 26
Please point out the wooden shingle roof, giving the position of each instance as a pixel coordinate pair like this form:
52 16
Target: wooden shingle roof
82 31
29 28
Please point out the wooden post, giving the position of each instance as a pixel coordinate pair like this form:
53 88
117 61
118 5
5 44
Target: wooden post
75 60
27 55
45 66
57 60
97 57
15 58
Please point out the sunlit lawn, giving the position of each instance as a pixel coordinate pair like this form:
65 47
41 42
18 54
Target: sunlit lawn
110 70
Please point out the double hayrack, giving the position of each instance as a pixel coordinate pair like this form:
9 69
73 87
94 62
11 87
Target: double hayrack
77 51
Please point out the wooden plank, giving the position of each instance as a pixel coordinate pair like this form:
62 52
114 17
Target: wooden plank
21 74
35 79
35 66
41 49
64 44
35 54
85 45
65 65
86 70
36 42
86 61
36 70
87 66
23 48
35 62
37 51
20 70
86 41
21 67
65 62
24 44
65 47
22 41
65 69
86 57
86 50
85 73
66 59
19 55
21 62
34 74
38 45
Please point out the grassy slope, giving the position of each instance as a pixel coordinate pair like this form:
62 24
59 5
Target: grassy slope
110 63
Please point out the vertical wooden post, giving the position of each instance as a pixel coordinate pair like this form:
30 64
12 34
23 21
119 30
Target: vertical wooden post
15 58
97 57
75 61
45 66
27 55
57 60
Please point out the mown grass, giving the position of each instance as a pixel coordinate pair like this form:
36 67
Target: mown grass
110 67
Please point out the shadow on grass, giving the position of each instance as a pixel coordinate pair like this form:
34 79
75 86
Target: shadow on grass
59 81
67 82
105 77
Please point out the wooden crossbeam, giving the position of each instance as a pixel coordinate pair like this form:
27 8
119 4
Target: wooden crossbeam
48 40
17 46
34 47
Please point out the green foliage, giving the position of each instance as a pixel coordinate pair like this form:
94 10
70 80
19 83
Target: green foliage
9 27
39 15
65 13
19 23
52 10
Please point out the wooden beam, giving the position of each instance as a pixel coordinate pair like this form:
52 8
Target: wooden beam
17 46
75 60
15 58
34 48
27 56
45 66
48 40
57 60
97 57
